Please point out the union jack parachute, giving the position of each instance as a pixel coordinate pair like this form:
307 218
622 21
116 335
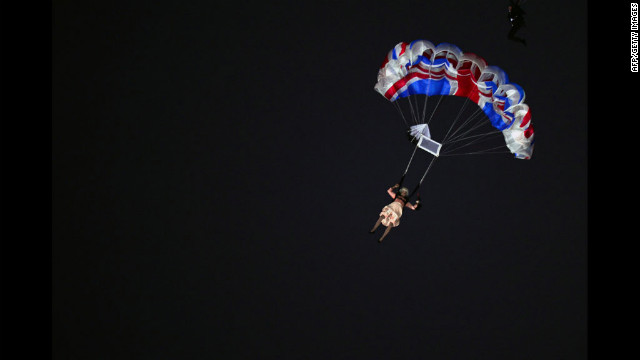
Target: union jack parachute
422 68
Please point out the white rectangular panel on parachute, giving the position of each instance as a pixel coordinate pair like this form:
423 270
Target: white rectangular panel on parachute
422 134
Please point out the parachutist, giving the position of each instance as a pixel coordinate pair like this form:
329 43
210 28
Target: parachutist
391 213
516 17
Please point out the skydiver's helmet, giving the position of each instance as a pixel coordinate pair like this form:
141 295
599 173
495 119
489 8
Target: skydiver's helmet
403 191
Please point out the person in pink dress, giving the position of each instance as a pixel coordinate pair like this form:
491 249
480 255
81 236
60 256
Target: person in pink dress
391 213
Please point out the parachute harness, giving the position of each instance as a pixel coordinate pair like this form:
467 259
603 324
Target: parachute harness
415 190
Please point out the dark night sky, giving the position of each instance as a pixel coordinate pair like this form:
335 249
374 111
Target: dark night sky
216 169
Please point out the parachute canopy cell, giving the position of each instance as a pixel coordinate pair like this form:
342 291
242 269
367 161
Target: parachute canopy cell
420 67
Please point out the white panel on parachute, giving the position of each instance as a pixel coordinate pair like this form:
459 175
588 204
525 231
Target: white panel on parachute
423 135
429 145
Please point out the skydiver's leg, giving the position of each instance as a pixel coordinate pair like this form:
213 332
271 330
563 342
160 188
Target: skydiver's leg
512 34
376 225
385 232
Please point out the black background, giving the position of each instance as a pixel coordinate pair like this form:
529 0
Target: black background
216 168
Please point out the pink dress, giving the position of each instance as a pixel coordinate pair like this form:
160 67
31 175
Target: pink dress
392 213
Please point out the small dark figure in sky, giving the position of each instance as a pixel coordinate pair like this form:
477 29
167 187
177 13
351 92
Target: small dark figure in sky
516 17
390 214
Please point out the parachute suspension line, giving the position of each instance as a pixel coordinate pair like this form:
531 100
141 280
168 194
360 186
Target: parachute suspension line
408 165
433 159
482 137
470 118
479 122
444 141
434 110
467 134
483 152
401 113
424 108
426 100
494 132
410 160
413 111
466 102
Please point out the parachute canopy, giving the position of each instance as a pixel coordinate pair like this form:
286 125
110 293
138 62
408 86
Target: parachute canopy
420 67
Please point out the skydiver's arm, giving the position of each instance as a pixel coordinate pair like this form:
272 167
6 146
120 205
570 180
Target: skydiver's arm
390 190
411 206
